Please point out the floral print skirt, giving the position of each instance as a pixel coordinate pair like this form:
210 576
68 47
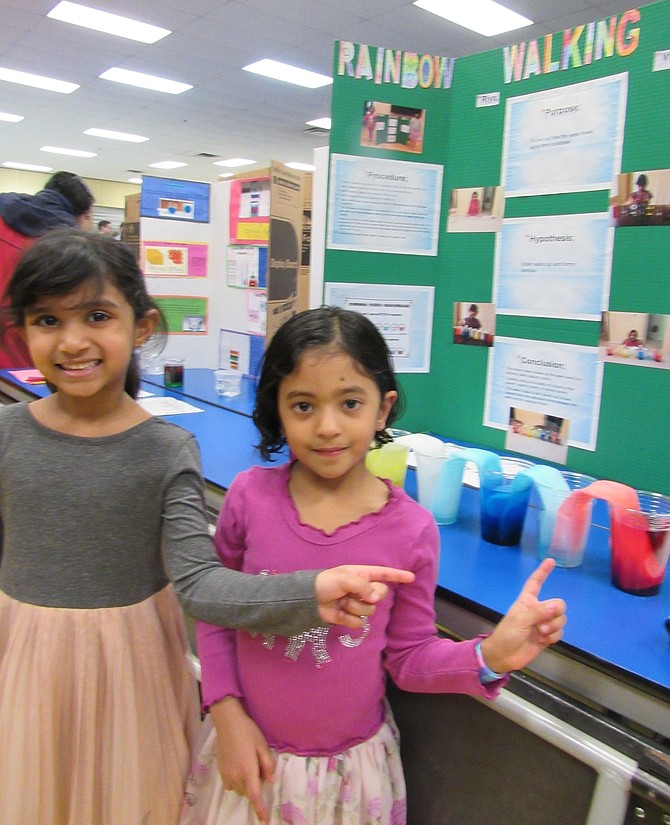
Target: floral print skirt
362 786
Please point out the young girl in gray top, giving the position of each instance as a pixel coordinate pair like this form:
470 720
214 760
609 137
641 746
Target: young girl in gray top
97 499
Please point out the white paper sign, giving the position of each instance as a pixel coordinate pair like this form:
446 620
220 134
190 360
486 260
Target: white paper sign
546 377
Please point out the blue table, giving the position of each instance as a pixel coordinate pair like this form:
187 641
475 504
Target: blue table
226 436
199 385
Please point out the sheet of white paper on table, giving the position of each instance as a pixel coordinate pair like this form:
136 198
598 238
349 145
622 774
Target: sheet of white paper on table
144 394
167 406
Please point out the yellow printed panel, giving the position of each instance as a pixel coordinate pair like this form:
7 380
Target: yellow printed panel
253 232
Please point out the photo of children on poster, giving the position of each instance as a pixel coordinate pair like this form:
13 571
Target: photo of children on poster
386 126
641 198
635 338
474 323
538 434
476 209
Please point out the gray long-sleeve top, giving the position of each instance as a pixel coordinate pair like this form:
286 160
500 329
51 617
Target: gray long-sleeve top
94 522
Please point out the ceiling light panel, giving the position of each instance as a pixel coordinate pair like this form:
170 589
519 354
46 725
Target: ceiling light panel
233 162
37 81
27 167
168 164
485 17
290 74
145 81
6 116
75 153
103 21
320 123
106 133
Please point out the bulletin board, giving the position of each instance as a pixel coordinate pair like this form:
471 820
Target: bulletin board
466 106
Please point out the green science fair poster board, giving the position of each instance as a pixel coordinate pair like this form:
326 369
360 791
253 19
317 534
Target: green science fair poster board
556 121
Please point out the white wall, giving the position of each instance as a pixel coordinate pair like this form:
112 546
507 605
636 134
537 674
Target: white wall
319 205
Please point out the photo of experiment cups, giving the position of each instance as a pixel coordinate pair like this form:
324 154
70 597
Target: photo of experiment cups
439 469
227 383
173 372
504 495
563 522
388 461
640 543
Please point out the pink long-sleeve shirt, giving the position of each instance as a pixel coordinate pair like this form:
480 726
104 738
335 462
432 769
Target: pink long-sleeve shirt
322 691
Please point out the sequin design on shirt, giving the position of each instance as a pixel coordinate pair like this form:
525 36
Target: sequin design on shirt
316 637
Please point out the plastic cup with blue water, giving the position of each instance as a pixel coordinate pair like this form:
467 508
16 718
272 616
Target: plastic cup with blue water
439 468
504 495
563 530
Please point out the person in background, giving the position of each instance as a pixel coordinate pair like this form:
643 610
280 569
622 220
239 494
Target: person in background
65 201
472 322
641 196
105 228
327 390
369 123
632 340
100 505
415 129
474 207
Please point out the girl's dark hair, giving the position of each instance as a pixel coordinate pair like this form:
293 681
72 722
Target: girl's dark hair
65 259
339 330
641 180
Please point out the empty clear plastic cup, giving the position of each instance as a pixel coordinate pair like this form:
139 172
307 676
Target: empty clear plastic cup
504 497
439 469
388 461
563 529
227 382
640 544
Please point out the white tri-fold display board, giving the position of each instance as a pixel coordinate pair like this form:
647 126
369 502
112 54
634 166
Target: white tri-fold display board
226 262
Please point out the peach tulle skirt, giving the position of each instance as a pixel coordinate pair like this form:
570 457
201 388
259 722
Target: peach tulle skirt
98 713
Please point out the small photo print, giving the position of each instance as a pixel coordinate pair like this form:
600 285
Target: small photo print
476 209
641 198
255 199
474 324
537 434
193 323
170 208
635 338
385 126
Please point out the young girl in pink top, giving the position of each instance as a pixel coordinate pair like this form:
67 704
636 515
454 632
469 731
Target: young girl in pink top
317 699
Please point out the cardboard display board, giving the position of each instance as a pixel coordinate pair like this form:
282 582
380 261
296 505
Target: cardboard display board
285 246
